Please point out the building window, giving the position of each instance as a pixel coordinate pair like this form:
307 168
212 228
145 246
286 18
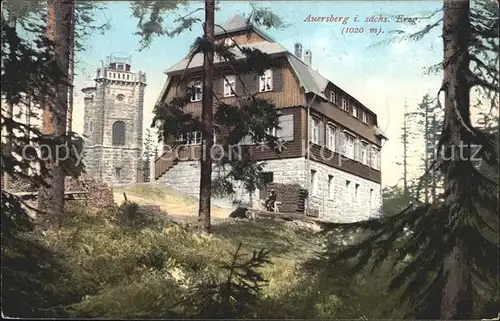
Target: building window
120 97
118 133
266 81
331 187
333 97
118 174
347 189
356 192
344 105
194 138
98 74
364 156
197 90
365 117
314 130
348 146
190 138
90 126
120 67
375 158
313 182
372 198
229 85
355 111
330 137
128 77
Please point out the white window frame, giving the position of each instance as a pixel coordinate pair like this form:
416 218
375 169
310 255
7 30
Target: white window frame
365 117
266 81
364 152
229 83
331 131
355 111
314 127
198 94
375 158
195 138
333 97
349 149
345 106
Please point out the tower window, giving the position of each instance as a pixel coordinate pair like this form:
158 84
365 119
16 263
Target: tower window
120 67
118 133
120 97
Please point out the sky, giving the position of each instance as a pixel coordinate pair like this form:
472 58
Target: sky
383 76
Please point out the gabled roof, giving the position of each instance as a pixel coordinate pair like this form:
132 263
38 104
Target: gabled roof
236 23
264 46
309 79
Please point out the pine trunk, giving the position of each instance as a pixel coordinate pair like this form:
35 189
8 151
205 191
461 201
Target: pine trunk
10 135
405 156
426 153
55 112
207 122
456 300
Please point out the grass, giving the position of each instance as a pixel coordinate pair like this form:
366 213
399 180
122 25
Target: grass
96 266
170 200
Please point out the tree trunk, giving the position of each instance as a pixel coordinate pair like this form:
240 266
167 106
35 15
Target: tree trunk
207 122
426 153
55 112
10 135
72 36
456 300
434 173
405 149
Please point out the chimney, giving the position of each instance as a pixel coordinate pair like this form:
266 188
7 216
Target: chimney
298 50
308 57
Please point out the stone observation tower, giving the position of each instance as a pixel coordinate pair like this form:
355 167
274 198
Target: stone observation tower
114 105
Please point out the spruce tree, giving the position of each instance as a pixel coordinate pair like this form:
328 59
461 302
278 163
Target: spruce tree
445 254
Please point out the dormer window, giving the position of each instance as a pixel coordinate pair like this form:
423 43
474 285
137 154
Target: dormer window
365 117
344 105
266 81
333 97
196 90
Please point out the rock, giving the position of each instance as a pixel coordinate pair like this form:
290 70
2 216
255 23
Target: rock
240 212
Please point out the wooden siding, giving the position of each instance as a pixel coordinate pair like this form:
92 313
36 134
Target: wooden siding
243 37
285 93
345 120
292 148
350 101
333 159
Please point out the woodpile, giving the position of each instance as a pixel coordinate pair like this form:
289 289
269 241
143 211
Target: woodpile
288 195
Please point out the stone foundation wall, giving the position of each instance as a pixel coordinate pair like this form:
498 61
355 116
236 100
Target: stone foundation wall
337 206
